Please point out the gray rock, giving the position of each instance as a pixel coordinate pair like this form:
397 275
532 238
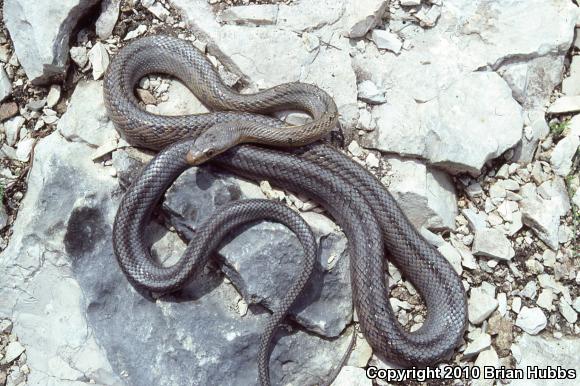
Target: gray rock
531 320
5 85
107 19
427 196
286 57
480 343
452 255
363 16
253 14
481 303
13 351
561 159
565 104
12 129
80 56
543 217
542 351
369 92
324 308
486 359
492 243
87 109
61 252
571 84
352 376
41 34
386 40
567 311
99 58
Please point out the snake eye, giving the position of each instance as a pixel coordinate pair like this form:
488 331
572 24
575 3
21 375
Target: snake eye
209 152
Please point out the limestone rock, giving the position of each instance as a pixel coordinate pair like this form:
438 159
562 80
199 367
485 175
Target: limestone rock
481 303
41 34
427 196
531 320
492 243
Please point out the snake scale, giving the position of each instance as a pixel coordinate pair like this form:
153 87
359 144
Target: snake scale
373 223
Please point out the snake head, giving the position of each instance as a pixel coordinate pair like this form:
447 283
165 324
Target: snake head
212 142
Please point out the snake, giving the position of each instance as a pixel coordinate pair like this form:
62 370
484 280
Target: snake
241 135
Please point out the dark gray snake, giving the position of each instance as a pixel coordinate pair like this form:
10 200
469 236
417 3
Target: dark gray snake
374 224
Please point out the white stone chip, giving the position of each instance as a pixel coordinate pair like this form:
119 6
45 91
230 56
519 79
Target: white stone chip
5 85
492 243
99 58
386 40
481 305
13 351
531 320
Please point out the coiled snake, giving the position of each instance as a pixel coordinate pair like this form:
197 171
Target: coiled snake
374 224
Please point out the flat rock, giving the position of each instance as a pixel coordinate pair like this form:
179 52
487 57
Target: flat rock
492 243
352 376
531 320
41 33
108 18
87 109
571 84
252 14
565 104
481 304
363 16
543 217
427 196
386 40
561 158
13 351
5 85
448 54
543 351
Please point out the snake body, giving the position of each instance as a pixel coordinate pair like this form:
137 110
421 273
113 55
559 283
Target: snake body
375 226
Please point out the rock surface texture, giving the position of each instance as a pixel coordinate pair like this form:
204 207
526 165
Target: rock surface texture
455 106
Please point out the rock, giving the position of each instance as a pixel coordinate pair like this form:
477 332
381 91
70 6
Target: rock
501 328
492 243
3 216
481 303
355 149
386 40
5 85
286 57
543 217
561 159
570 84
80 56
410 3
363 17
452 255
135 33
5 326
534 80
531 320
542 351
107 19
253 14
446 122
565 104
536 128
8 110
486 359
567 311
361 354
475 220
41 34
99 58
545 299
440 134
87 109
53 96
13 351
427 196
12 129
158 10
352 376
369 92
502 303
480 343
